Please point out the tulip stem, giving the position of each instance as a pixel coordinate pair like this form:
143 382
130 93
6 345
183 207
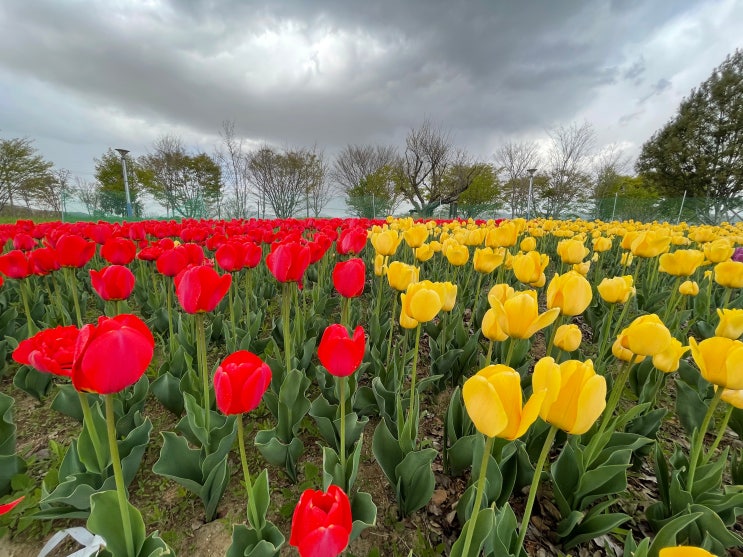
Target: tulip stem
345 311
379 298
414 370
169 301
342 388
604 336
392 328
476 298
58 299
472 522
553 332
698 442
201 355
726 298
509 353
720 433
230 296
616 392
32 330
93 432
285 309
535 485
489 355
72 280
119 476
673 301
252 509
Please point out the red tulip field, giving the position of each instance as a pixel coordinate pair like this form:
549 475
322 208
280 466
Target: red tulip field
325 387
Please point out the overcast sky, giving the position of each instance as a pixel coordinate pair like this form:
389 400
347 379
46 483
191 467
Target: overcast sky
80 76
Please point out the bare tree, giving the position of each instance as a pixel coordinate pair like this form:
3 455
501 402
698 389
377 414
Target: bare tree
89 195
357 162
235 173
48 192
514 159
319 188
568 170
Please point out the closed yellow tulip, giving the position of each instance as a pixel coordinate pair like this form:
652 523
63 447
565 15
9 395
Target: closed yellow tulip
571 251
576 395
493 399
386 242
626 259
668 360
416 235
529 267
616 290
500 292
424 253
602 244
457 254
684 551
731 323
651 243
447 293
519 315
568 337
718 251
435 246
680 263
400 275
491 330
729 274
487 260
406 322
528 244
421 301
720 361
502 236
570 292
625 354
475 237
733 397
646 335
379 265
689 288
582 268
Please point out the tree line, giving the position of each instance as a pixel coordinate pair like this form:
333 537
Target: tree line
698 154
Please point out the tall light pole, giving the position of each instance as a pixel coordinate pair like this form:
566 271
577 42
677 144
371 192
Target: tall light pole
531 172
123 153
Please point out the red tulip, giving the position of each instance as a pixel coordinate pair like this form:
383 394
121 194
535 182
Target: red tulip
74 251
240 382
49 351
172 262
195 253
23 242
43 261
15 265
322 522
201 288
112 355
114 282
253 254
288 262
340 354
7 507
150 253
351 240
118 251
319 247
349 277
230 256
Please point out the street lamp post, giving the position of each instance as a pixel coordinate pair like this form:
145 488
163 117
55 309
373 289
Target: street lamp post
123 153
531 172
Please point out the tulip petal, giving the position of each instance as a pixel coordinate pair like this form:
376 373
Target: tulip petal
484 406
591 404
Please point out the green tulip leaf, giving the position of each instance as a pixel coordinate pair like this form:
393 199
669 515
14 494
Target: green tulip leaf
278 453
364 513
483 529
33 382
248 542
106 521
415 480
690 408
166 389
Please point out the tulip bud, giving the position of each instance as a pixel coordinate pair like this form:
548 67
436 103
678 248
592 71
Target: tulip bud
568 337
689 288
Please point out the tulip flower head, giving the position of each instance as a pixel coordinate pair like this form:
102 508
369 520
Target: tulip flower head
650 243
7 507
681 263
288 261
719 250
15 264
457 254
689 288
349 277
118 250
416 235
646 336
401 275
570 292
112 283
386 242
729 274
49 351
322 523
616 290
568 337
529 267
519 315
487 260
720 361
340 353
572 251
448 294
421 301
240 382
684 551
201 288
351 240
731 323
493 399
74 251
668 360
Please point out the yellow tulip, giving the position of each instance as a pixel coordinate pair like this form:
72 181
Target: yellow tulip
487 260
650 243
668 360
493 400
627 258
576 395
646 335
568 337
406 322
720 361
500 292
528 244
582 268
628 238
731 323
729 274
719 250
689 288
491 330
681 263
621 353
475 237
571 251
400 275
447 293
616 290
733 397
457 254
386 242
416 235
502 236
529 267
602 244
684 551
435 246
421 301
519 315
570 292
424 253
379 265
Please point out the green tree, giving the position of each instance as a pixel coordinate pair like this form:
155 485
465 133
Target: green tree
625 197
376 194
700 150
110 184
22 171
481 195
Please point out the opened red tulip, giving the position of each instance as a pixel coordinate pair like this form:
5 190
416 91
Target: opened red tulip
172 261
351 240
15 265
288 261
49 351
340 353
349 277
201 288
114 282
112 355
230 256
322 522
119 251
240 382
